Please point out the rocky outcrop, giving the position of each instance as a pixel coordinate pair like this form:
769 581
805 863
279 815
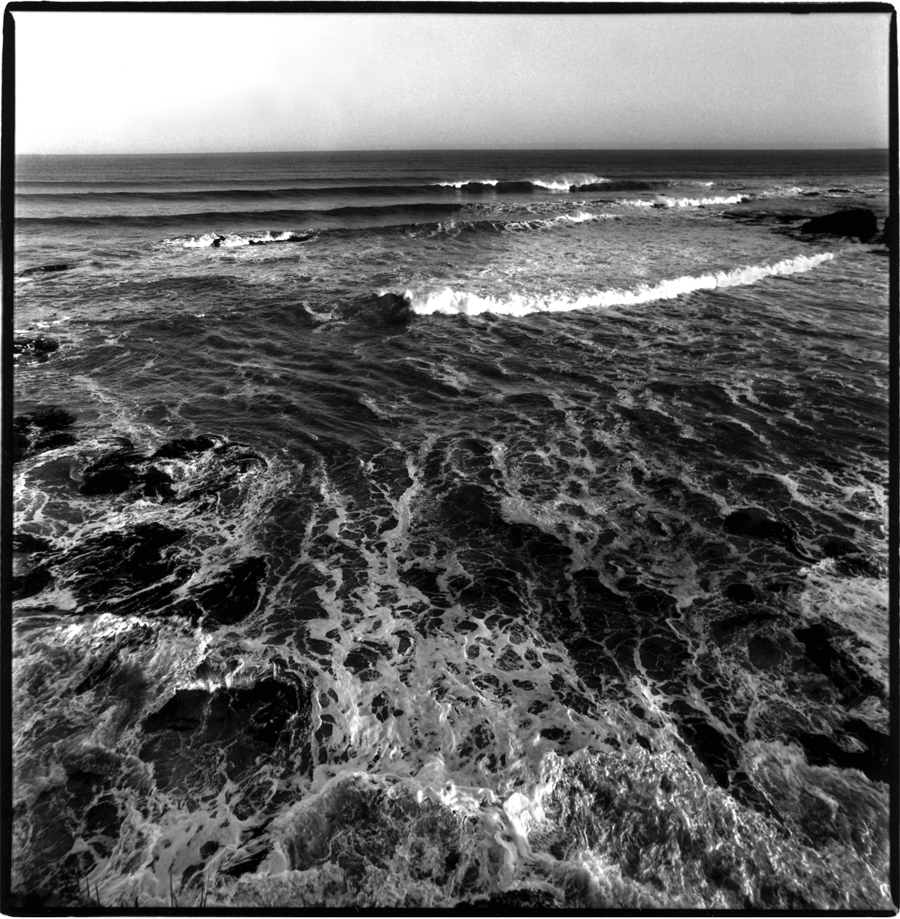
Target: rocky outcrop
41 430
33 349
858 222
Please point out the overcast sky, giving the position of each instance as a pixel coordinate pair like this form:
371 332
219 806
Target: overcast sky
102 82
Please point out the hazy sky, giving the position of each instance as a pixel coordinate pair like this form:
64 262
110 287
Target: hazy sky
101 82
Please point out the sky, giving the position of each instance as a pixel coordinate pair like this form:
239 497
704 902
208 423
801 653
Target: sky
138 82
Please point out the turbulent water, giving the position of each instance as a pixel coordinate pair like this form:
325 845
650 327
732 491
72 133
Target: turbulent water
437 529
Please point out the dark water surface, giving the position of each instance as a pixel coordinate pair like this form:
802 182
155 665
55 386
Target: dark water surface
439 528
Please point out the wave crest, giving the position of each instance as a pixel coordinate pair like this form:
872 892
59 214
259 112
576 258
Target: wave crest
668 201
452 302
236 240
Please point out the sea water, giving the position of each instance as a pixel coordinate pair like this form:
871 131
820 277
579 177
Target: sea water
450 528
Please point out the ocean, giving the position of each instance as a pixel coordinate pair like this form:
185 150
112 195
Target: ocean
488 529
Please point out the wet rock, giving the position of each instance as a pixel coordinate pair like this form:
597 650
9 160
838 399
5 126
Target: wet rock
726 629
27 585
182 447
235 594
21 445
850 560
33 349
470 505
756 524
663 656
852 682
112 474
158 484
50 418
740 593
873 762
710 747
525 898
234 726
27 543
126 570
42 269
41 430
860 223
764 653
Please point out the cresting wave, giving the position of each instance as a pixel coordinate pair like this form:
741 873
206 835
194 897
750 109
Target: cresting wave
236 240
453 302
668 201
450 227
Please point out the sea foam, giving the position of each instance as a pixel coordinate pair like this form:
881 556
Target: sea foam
452 302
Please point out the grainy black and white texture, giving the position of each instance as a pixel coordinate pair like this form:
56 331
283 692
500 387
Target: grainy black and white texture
481 529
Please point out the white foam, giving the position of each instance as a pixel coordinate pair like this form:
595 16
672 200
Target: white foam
669 201
461 302
575 217
231 240
566 182
463 182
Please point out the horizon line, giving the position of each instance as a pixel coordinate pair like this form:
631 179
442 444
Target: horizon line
885 149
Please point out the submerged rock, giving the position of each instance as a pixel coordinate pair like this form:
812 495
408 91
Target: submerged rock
27 585
182 447
42 269
855 222
26 543
820 641
33 349
236 593
199 740
215 463
112 474
756 524
126 570
41 430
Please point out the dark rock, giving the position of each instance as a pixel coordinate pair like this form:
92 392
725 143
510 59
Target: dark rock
186 446
525 898
710 747
21 445
836 546
39 269
470 506
51 418
850 560
874 762
112 474
234 595
34 343
236 724
764 653
740 593
41 430
855 222
853 683
754 523
125 570
62 439
27 543
860 566
158 484
27 585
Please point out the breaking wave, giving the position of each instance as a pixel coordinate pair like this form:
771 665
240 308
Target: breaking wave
454 302
236 240
669 201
